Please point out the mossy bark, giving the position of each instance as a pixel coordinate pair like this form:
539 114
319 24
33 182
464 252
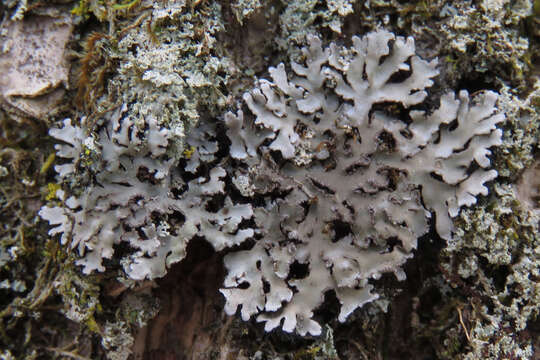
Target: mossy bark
453 296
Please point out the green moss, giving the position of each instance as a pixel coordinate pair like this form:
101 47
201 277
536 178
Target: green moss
125 5
52 188
81 9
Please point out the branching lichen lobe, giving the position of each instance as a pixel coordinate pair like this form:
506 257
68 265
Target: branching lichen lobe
380 176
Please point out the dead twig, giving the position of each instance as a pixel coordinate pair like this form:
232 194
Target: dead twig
67 353
463 325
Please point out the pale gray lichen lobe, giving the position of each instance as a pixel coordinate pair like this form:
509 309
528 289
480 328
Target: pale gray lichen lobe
365 182
130 199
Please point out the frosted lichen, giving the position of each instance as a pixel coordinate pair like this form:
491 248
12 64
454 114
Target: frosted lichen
327 169
131 199
358 186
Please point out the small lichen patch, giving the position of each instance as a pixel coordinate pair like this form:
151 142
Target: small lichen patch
528 187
